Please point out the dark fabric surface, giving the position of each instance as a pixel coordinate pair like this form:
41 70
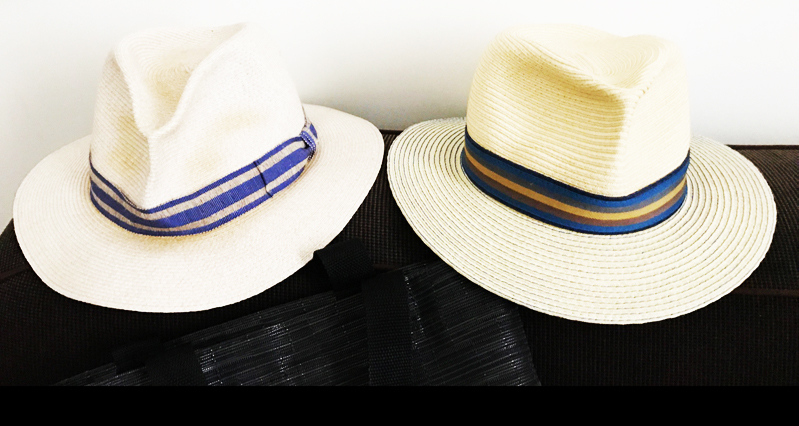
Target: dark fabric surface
738 340
748 337
780 269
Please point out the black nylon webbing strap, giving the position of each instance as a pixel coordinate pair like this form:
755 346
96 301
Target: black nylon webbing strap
388 330
165 367
134 355
345 263
175 367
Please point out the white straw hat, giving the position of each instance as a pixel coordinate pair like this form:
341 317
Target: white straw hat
205 180
574 186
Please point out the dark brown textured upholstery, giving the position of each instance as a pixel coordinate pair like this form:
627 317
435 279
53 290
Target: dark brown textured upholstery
748 337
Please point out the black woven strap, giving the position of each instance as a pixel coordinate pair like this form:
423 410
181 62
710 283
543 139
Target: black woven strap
165 367
346 263
388 330
134 355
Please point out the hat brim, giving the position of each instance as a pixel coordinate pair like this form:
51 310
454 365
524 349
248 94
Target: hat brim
79 253
701 253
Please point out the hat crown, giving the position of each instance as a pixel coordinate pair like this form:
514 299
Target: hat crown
605 114
178 109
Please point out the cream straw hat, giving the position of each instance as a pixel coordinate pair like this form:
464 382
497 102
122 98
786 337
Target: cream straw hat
205 181
574 186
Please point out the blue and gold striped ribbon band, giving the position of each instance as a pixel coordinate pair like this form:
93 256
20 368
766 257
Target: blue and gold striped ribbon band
562 205
215 204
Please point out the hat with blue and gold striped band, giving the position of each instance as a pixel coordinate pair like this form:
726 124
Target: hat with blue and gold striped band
575 187
205 180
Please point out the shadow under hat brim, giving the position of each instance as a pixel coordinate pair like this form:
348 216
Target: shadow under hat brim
704 251
81 254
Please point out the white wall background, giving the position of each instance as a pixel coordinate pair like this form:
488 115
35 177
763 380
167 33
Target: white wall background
394 63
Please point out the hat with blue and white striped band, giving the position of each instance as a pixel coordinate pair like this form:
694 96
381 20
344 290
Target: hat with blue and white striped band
205 180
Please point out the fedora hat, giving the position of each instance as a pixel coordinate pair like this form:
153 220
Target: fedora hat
575 187
205 180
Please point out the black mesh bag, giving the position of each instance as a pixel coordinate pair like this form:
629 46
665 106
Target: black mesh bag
420 325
